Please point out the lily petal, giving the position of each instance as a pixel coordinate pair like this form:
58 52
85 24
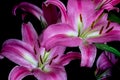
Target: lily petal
18 73
59 28
57 73
104 65
113 35
106 60
115 2
107 4
28 7
56 29
29 35
60 58
56 53
20 53
81 14
88 54
1 57
74 12
61 6
65 59
62 40
50 13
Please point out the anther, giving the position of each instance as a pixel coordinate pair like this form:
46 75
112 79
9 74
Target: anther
35 51
50 62
101 30
38 43
53 59
108 24
92 25
81 18
109 29
41 60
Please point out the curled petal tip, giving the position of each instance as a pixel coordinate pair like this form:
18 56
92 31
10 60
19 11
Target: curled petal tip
18 73
28 7
1 57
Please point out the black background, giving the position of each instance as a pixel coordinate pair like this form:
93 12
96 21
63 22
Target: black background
10 27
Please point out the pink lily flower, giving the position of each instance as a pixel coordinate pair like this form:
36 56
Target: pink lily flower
32 59
105 62
82 25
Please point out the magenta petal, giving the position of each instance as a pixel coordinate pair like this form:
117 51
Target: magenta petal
57 52
56 73
78 13
113 35
57 29
88 54
50 13
110 5
1 57
106 60
115 2
18 43
29 35
65 59
40 75
18 73
73 9
20 53
62 40
28 7
61 6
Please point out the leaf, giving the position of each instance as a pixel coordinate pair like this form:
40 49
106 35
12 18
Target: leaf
113 17
108 48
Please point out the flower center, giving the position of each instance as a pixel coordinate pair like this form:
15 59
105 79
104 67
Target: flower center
45 61
94 30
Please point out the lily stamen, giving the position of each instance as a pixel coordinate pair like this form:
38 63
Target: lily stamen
53 59
92 25
108 24
41 60
35 51
102 3
101 30
109 29
38 43
81 18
